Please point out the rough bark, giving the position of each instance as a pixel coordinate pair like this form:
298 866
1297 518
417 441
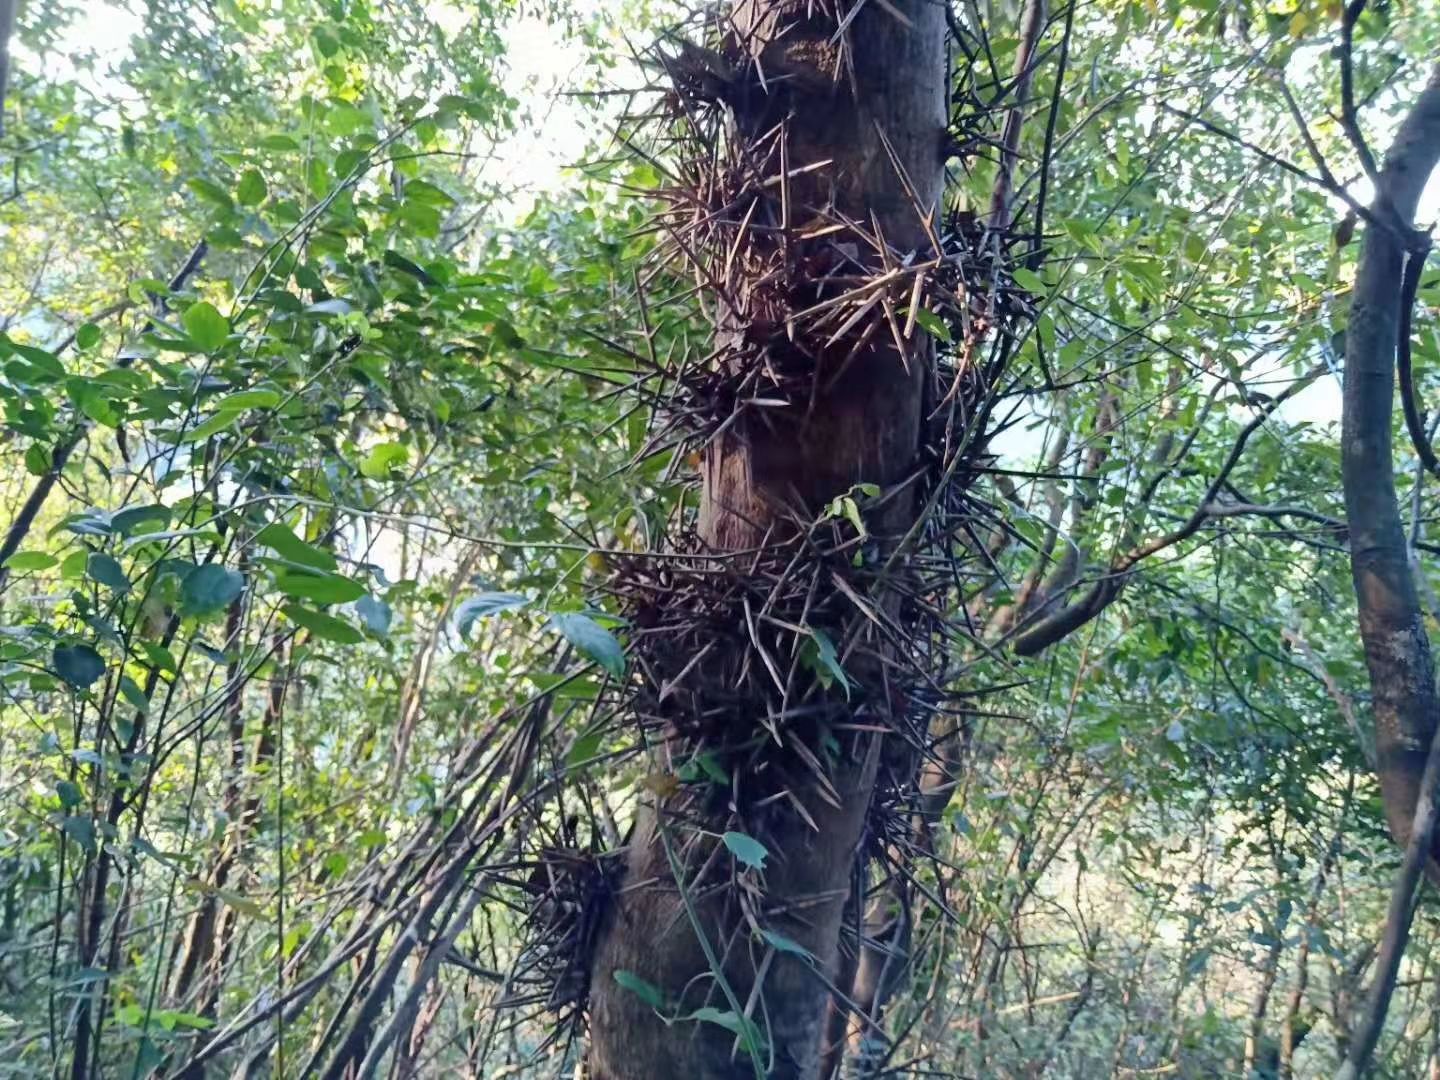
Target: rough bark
759 480
1397 649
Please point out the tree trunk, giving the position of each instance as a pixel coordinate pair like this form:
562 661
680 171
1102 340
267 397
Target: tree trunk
1397 649
819 102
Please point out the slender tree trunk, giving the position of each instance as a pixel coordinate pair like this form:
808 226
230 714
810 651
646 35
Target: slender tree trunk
1392 627
1397 649
834 96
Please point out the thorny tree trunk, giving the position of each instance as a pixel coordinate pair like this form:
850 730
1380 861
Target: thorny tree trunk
758 479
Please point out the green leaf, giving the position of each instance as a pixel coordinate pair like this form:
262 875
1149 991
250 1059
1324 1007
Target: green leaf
278 144
323 626
107 571
397 261
333 306
81 830
139 519
78 665
1030 281
933 325
170 1019
647 992
27 561
592 639
134 694
584 748
825 661
746 849
326 43
317 177
70 794
221 421
384 460
251 190
249 399
781 943
375 614
87 337
280 539
209 588
37 459
210 192
206 326
159 657
319 588
483 605
728 1019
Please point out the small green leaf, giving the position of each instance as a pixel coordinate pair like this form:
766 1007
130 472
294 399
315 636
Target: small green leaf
107 571
70 794
728 1019
384 460
485 604
319 588
375 614
134 694
781 943
399 262
210 192
325 627
87 337
170 1019
747 849
159 657
647 992
933 325
206 326
249 399
78 665
81 830
37 459
140 519
592 639
251 190
826 662
326 43
584 748
209 588
221 421
1030 281
28 561
280 539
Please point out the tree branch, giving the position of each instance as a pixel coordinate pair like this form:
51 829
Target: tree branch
1349 114
1409 397
1106 589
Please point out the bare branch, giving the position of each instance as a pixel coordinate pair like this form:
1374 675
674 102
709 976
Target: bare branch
1349 114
